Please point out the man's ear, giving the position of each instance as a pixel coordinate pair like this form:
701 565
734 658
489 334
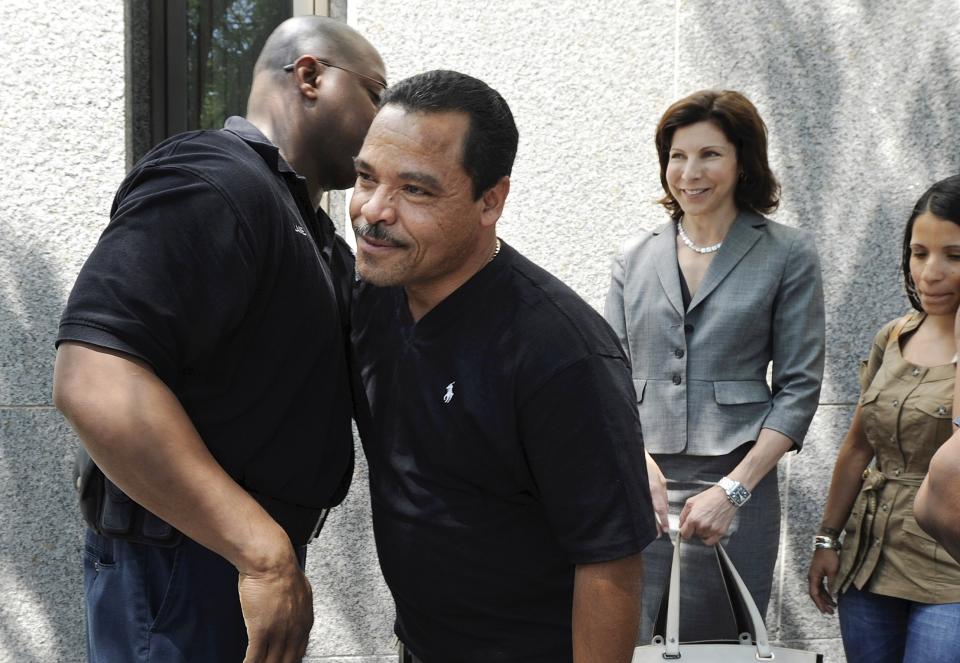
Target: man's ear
308 71
493 200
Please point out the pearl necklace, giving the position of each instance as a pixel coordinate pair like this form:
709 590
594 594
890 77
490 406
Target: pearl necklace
689 242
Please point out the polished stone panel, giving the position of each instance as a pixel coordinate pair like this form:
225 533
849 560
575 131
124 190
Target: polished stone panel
41 582
353 610
62 138
808 478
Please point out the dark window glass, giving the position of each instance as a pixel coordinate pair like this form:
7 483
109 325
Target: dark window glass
190 63
224 38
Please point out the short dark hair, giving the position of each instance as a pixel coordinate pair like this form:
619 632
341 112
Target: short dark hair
757 188
941 200
490 145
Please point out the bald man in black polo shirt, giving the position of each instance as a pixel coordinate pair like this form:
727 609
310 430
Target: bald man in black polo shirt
202 361
507 472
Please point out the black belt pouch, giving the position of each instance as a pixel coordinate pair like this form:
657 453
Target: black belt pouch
109 512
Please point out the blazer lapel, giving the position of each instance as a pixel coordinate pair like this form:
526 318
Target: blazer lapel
742 236
665 259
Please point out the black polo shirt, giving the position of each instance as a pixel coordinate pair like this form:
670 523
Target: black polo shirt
217 272
504 448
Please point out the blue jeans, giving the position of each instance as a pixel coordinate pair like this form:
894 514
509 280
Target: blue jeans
163 605
883 629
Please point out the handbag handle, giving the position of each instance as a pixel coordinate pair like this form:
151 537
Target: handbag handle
672 644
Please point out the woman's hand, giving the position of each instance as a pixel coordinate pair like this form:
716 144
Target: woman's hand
658 493
707 515
823 567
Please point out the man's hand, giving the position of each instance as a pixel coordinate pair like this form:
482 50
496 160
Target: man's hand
277 606
658 494
707 515
823 572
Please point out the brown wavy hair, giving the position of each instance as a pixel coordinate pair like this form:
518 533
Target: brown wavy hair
757 188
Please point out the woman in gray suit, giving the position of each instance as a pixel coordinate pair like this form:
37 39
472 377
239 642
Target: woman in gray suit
703 305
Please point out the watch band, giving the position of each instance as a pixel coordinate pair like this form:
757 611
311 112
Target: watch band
736 493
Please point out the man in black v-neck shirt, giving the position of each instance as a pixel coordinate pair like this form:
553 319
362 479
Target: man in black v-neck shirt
507 472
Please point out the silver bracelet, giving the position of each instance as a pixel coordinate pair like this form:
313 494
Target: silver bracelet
826 543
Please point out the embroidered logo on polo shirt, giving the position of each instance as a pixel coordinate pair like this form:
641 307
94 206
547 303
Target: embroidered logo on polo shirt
301 230
447 397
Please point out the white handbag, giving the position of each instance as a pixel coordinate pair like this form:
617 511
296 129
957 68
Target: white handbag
666 643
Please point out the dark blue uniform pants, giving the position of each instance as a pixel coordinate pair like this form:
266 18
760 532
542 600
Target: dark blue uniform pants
163 605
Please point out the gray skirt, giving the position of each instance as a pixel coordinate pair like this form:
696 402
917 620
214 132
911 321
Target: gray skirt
752 543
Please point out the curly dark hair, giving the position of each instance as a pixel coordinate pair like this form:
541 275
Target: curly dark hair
757 188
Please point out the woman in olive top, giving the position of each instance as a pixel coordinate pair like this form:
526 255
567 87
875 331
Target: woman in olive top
899 591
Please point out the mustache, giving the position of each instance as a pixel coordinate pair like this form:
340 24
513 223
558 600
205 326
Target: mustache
378 232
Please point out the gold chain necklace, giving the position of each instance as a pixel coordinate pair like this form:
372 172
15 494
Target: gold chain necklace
496 251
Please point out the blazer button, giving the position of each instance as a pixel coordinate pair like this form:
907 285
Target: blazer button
688 328
678 353
677 379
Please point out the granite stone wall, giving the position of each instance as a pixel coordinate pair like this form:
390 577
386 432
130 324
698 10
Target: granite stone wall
62 141
861 100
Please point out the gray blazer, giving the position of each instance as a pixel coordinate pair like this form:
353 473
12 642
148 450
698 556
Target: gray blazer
701 375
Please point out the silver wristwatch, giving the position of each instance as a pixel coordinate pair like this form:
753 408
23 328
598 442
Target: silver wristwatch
736 493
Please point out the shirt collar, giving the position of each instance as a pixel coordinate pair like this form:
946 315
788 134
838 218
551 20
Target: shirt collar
916 318
248 133
253 137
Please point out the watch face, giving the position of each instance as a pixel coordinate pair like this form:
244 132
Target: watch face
739 495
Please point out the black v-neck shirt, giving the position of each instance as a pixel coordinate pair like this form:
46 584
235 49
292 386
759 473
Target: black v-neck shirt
504 448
